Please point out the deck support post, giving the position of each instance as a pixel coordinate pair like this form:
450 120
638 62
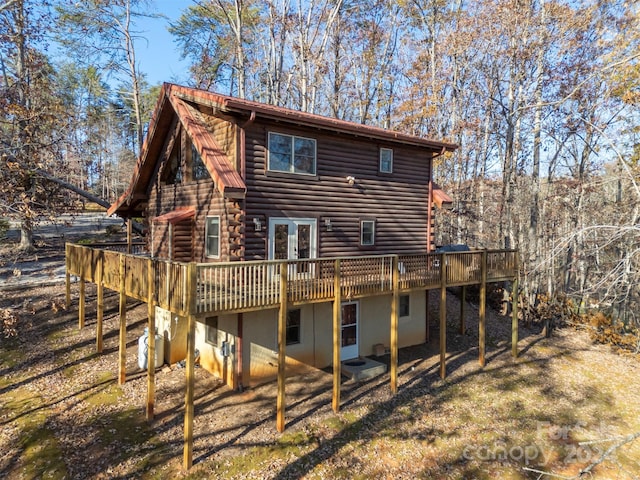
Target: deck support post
514 319
67 275
129 235
187 458
122 346
394 324
463 304
81 305
443 315
337 323
100 306
482 310
427 318
151 355
282 339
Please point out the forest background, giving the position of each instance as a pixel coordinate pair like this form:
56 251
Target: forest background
542 96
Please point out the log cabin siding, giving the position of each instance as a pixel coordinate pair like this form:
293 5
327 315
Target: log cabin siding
207 201
396 201
225 134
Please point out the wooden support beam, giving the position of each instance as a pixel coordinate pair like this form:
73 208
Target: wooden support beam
337 324
67 275
463 304
282 339
151 357
100 306
129 235
514 319
443 315
122 346
395 297
81 306
189 409
482 310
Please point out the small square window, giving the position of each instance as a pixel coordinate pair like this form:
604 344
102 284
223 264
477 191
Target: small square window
367 232
403 307
293 327
386 160
212 240
211 333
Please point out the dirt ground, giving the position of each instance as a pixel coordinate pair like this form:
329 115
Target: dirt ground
557 408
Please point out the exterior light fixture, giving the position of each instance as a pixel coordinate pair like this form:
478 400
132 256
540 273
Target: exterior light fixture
351 180
327 224
257 224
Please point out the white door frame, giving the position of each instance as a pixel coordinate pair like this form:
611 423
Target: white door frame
292 247
350 351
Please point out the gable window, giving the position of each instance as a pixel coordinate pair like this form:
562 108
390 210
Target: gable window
293 327
199 169
212 237
211 333
386 160
367 232
291 154
403 307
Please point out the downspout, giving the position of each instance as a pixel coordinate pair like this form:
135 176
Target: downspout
243 174
430 200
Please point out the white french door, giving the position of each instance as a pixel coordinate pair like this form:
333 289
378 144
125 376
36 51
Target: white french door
293 239
349 331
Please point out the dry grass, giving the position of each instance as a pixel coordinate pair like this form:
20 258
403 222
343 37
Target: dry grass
63 416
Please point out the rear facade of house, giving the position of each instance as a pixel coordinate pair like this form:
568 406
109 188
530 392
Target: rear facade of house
223 180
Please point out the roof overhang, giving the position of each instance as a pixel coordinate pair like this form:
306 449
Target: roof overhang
176 216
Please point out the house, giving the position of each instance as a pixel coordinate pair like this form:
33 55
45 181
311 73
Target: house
222 179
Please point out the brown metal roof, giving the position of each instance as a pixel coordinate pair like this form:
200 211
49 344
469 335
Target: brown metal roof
237 105
177 215
223 173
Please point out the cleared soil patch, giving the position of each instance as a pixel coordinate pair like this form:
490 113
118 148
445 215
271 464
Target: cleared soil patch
62 415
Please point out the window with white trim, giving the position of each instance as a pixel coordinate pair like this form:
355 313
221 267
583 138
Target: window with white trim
211 336
367 232
212 237
291 154
386 160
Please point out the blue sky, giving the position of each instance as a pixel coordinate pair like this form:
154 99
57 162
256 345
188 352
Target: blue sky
159 57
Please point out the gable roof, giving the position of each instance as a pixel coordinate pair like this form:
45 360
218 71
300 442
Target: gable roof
176 102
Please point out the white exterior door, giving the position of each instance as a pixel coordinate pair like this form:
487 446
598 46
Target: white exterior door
349 330
293 239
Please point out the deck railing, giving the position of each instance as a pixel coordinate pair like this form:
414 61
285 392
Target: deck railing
245 286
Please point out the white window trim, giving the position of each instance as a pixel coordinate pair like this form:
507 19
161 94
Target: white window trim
373 233
293 137
390 150
206 236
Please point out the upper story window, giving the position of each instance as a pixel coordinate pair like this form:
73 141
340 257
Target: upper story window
199 169
288 153
386 160
367 233
212 237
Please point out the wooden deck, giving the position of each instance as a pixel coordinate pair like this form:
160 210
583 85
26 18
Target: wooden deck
194 290
248 286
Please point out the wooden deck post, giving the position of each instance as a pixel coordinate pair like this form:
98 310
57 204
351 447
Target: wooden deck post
190 368
67 275
282 339
82 299
100 306
514 319
394 324
463 303
443 315
482 309
122 348
337 323
129 235
151 357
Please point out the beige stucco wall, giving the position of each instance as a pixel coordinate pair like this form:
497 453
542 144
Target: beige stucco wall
260 343
211 357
